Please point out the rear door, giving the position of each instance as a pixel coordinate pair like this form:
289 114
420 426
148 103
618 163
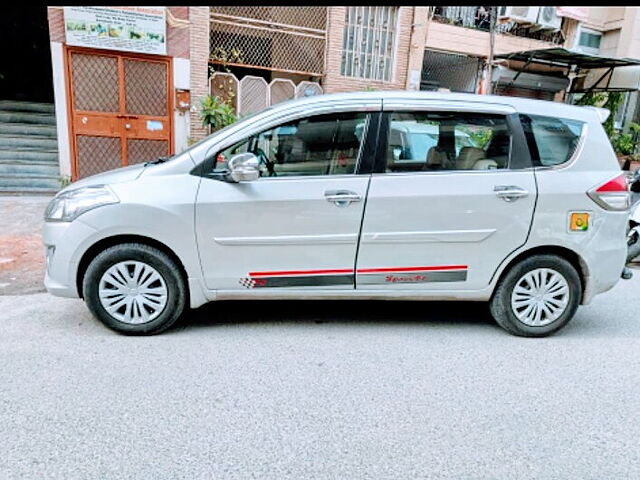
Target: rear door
466 203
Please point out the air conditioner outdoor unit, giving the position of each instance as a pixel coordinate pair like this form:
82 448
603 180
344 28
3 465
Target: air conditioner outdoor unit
519 14
548 19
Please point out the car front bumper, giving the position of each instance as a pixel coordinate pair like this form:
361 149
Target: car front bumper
64 244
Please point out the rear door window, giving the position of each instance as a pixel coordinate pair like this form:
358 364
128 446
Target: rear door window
431 141
552 141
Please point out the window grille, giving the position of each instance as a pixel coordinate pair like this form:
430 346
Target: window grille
284 39
369 42
458 73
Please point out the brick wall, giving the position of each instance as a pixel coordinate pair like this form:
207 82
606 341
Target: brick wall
333 81
178 32
56 24
199 56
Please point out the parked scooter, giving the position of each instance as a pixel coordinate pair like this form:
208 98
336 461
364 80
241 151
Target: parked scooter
633 236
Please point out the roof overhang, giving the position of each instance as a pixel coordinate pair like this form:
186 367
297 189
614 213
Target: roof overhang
505 76
562 57
603 67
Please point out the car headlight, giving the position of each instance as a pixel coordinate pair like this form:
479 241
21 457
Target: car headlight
67 206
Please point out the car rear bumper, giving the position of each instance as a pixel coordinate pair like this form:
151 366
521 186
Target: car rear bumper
605 255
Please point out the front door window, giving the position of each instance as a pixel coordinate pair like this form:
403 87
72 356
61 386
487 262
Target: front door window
319 145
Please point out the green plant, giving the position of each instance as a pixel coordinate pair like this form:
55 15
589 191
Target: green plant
614 100
611 101
623 143
216 113
64 180
481 138
592 98
223 56
219 59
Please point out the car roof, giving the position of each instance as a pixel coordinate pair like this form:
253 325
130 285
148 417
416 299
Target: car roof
522 105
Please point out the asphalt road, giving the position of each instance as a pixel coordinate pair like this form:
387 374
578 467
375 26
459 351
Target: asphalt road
336 390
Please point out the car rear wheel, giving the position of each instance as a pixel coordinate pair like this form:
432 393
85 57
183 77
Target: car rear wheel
537 296
134 289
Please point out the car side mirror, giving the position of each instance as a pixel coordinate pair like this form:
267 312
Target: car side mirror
243 167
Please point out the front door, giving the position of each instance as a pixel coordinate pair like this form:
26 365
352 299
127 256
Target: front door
452 200
296 226
120 109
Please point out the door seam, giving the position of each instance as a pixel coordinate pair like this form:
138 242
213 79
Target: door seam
364 212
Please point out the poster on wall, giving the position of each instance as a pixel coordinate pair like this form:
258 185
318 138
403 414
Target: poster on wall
130 29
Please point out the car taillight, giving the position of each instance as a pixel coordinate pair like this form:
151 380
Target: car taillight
612 195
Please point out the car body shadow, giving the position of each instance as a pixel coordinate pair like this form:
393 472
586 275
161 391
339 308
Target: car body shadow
236 312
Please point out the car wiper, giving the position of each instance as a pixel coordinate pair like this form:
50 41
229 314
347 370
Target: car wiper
158 160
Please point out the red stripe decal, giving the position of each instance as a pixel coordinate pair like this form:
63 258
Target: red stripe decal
361 270
300 272
411 269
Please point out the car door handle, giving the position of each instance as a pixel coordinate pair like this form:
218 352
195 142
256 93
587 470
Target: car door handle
510 193
342 198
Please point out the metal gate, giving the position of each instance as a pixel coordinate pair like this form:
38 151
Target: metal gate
120 109
252 94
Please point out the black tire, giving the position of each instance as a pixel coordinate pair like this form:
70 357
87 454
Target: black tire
500 304
161 262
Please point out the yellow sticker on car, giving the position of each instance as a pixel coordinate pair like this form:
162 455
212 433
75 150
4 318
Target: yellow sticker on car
579 222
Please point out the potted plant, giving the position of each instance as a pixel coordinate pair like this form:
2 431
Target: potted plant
215 113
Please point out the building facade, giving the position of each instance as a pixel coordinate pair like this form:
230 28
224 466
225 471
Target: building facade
128 81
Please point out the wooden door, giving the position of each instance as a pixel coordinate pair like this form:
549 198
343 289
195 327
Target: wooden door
120 109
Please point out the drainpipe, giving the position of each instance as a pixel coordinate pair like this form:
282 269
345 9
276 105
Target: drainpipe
492 41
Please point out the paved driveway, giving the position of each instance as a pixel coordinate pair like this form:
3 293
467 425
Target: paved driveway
21 250
336 390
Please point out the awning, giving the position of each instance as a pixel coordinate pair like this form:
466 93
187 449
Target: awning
574 61
622 79
505 76
562 57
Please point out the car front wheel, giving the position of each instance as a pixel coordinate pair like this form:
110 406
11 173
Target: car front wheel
135 289
537 296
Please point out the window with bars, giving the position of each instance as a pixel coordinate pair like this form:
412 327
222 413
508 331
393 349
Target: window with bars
369 42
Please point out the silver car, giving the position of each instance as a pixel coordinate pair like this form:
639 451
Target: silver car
370 195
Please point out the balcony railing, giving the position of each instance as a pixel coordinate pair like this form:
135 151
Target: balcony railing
470 17
479 18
